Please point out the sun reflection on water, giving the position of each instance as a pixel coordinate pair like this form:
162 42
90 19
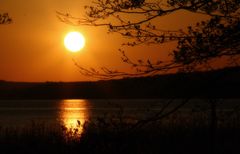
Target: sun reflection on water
74 113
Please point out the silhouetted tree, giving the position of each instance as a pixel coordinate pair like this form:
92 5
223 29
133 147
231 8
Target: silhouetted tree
197 46
5 19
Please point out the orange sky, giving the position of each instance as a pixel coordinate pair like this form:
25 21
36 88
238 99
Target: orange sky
32 46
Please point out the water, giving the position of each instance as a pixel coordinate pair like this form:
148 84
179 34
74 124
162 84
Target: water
67 112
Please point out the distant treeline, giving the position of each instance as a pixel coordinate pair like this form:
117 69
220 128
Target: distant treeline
224 83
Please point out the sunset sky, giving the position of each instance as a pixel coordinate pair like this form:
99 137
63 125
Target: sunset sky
32 47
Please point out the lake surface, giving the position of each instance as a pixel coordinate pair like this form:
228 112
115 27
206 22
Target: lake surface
67 112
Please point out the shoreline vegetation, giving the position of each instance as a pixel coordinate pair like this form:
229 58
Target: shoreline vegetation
210 130
223 83
177 133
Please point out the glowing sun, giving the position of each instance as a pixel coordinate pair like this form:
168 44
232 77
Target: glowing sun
74 41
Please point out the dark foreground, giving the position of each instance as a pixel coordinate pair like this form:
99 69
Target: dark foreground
177 133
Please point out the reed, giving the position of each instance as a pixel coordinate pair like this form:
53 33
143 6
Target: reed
178 133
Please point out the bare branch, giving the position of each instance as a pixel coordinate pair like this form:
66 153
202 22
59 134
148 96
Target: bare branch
196 46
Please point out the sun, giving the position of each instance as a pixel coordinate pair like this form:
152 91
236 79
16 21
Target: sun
74 41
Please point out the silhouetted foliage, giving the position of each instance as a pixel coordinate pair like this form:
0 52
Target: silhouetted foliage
197 46
5 19
216 37
176 134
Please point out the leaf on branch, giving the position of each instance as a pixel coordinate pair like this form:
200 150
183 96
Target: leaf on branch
160 12
162 38
127 34
138 70
159 62
149 63
110 26
137 26
5 19
134 65
92 69
140 61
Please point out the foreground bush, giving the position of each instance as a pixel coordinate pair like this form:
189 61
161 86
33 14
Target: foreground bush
175 134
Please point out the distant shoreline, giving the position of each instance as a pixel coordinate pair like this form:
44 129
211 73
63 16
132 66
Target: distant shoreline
224 83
